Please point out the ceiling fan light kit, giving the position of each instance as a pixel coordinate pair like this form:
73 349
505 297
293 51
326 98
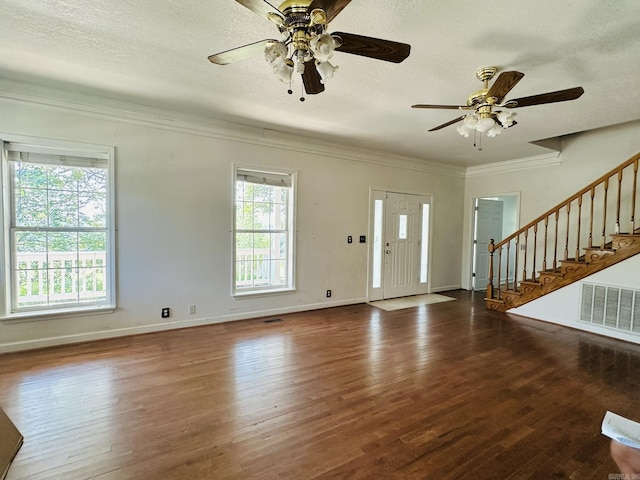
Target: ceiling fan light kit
487 110
307 47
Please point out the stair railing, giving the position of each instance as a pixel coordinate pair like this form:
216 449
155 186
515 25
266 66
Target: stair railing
584 220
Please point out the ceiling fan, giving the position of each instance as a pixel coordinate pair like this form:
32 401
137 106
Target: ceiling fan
487 104
306 46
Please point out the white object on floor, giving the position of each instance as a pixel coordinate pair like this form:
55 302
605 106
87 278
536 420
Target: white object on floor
408 302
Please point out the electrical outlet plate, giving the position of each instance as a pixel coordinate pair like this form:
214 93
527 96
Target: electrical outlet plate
328 293
192 309
166 312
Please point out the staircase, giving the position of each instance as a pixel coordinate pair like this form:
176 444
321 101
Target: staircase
576 238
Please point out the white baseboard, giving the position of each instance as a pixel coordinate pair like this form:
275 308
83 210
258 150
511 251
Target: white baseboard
160 327
446 288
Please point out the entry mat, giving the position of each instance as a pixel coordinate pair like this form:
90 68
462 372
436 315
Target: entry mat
10 443
408 302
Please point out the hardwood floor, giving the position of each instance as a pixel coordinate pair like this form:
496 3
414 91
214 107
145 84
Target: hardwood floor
444 391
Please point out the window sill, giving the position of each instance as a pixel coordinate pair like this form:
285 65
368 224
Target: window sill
262 293
32 316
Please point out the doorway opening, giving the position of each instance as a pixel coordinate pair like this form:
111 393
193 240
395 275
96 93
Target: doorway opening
400 247
493 217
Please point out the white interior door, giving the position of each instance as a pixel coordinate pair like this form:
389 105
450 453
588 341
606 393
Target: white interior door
402 234
489 217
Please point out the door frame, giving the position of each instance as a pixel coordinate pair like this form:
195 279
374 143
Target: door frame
510 223
374 294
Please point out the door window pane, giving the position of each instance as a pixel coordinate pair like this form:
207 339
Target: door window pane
424 246
377 244
402 227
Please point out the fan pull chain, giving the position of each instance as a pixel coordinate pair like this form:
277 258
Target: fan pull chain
302 90
477 140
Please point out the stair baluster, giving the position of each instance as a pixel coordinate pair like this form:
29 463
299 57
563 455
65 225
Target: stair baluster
579 225
633 206
603 239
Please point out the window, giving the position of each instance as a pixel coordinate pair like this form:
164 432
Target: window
377 243
263 231
424 245
58 229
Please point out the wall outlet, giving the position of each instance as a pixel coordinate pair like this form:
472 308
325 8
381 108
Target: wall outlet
166 312
192 309
328 293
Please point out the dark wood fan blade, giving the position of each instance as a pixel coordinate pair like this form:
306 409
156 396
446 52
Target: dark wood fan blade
311 79
447 107
239 53
261 7
373 47
503 85
331 7
455 120
551 97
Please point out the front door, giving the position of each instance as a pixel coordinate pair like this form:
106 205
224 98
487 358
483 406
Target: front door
402 234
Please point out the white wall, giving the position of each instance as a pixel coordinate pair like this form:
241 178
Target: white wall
174 217
563 306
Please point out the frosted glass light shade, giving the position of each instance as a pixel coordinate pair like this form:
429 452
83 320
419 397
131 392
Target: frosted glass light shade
322 47
275 54
494 131
326 70
463 130
485 124
471 121
284 73
506 118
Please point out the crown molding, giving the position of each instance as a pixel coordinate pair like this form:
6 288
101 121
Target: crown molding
136 114
527 163
310 145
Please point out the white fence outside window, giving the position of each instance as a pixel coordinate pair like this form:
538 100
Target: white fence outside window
256 267
60 277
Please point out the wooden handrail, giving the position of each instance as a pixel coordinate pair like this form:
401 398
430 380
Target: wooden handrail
571 199
553 214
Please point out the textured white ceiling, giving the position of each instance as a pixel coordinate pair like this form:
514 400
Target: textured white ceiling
155 53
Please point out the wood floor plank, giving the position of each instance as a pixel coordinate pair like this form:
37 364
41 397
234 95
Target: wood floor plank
443 391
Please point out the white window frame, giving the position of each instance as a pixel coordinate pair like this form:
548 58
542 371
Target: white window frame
79 152
291 232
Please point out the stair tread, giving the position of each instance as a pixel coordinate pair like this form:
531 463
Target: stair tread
511 291
495 300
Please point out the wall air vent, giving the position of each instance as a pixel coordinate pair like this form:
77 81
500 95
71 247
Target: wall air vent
611 307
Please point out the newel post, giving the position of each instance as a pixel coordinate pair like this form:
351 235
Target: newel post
490 285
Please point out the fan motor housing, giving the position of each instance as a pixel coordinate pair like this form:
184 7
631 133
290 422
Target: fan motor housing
293 4
477 98
295 8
